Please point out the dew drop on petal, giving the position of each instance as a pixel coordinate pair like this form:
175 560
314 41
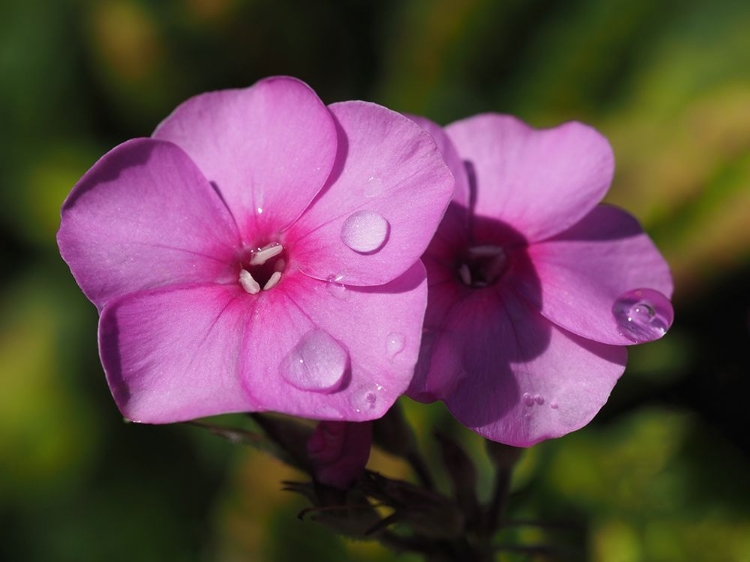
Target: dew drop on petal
394 344
366 398
643 315
336 287
317 363
373 187
365 231
554 405
539 399
528 399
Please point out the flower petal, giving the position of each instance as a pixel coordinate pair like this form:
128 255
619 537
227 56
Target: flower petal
461 194
514 377
326 351
389 189
269 149
144 216
539 181
173 354
586 268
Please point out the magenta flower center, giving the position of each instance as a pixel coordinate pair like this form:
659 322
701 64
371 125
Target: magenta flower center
261 267
482 265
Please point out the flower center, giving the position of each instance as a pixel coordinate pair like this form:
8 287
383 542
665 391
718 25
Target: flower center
482 265
261 268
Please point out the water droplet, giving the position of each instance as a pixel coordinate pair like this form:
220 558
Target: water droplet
365 231
554 405
528 399
394 344
366 398
259 210
317 363
373 187
336 287
643 315
539 399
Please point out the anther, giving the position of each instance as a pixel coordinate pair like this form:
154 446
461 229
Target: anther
249 284
275 276
264 254
465 274
486 251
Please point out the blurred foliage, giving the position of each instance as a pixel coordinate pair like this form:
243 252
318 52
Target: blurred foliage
661 475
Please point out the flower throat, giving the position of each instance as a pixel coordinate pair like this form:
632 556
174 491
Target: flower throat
482 265
261 268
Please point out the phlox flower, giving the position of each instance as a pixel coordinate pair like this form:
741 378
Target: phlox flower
250 255
535 288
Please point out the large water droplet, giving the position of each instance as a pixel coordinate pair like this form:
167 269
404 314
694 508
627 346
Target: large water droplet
643 315
336 287
365 231
317 363
394 344
528 399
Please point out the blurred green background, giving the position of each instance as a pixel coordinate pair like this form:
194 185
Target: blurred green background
662 474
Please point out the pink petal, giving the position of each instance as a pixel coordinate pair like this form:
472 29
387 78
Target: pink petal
144 216
173 355
389 190
326 351
461 193
539 181
583 271
512 376
268 148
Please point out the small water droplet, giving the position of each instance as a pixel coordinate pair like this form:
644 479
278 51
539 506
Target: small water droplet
366 398
317 363
365 231
528 399
554 405
643 315
394 344
336 287
259 210
373 187
539 399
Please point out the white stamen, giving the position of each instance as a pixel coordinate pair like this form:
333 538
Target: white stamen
264 254
464 274
248 283
486 250
275 276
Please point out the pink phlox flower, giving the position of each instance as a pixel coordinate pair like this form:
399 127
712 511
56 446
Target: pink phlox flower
339 452
250 255
535 288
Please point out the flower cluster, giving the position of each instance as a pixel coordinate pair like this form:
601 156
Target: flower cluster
264 252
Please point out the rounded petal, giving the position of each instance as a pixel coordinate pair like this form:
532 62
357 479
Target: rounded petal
388 192
268 149
585 269
461 194
173 354
539 181
327 351
514 377
144 216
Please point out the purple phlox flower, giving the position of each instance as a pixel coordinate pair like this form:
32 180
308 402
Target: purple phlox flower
250 255
535 288
339 452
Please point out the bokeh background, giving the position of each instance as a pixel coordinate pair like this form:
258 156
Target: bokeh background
662 474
